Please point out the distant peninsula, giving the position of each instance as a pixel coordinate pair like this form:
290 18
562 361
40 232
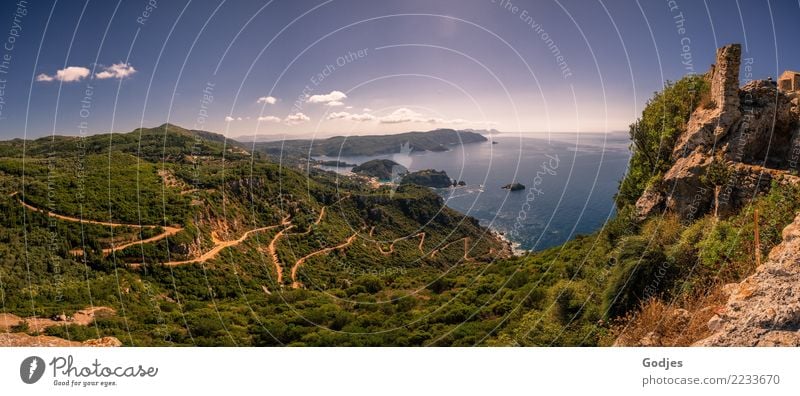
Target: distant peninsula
384 169
435 141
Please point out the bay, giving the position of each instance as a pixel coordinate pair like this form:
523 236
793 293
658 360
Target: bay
571 181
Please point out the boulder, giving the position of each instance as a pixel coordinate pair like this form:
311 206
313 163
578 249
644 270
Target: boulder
682 190
514 186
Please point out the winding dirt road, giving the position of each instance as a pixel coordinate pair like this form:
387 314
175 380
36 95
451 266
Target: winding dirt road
466 248
295 283
391 246
218 246
273 252
168 231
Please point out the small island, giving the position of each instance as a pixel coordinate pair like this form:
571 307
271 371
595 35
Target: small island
514 187
429 178
382 169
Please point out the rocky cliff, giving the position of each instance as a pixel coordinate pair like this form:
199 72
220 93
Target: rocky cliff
764 309
752 128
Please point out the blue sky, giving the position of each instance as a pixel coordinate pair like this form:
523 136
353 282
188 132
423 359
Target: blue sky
361 67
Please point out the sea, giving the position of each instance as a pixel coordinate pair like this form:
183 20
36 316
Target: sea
571 180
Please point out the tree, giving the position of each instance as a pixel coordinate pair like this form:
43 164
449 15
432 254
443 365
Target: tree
654 134
717 175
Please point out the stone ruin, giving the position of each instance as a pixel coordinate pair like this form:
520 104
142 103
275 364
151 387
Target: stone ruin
754 128
789 81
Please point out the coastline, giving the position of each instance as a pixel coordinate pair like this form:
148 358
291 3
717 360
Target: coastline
513 247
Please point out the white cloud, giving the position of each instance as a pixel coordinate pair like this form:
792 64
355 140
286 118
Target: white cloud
338 115
400 116
367 110
362 117
334 103
72 73
117 70
267 100
405 115
348 107
334 96
269 119
229 119
343 115
296 118
68 74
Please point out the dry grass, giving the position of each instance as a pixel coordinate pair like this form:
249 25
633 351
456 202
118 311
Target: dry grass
659 324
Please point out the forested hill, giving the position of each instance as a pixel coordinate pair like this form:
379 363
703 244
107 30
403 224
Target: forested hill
166 142
170 228
436 140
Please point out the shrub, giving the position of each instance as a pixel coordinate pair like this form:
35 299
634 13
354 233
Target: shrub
642 271
569 299
370 283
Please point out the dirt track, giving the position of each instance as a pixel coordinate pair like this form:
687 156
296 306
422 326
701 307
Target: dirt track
218 246
168 231
466 248
348 242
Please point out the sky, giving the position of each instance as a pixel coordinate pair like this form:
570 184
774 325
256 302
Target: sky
352 67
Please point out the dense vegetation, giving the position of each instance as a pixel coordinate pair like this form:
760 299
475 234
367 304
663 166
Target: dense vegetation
654 134
405 240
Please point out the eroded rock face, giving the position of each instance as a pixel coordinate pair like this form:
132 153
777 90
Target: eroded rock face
754 129
763 132
686 192
651 201
25 340
764 309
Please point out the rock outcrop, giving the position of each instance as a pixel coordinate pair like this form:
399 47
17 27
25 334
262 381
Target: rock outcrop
714 118
764 309
25 340
753 128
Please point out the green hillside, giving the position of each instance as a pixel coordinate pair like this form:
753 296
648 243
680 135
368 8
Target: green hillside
216 221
